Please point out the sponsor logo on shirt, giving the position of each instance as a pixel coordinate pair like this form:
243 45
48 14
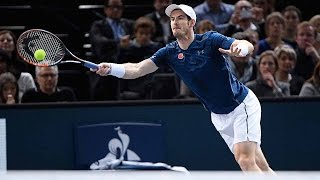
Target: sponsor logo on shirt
180 56
201 52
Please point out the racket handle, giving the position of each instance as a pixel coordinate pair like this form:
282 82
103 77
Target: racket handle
91 65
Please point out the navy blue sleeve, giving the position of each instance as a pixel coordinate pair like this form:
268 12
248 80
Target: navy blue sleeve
159 57
221 41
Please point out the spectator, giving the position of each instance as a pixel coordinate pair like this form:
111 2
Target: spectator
205 26
267 6
315 21
9 89
274 26
141 47
261 9
47 91
254 39
312 86
242 19
8 43
107 36
287 59
293 17
307 54
163 32
216 11
24 79
266 85
244 68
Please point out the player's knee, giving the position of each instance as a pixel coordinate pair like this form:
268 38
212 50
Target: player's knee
246 163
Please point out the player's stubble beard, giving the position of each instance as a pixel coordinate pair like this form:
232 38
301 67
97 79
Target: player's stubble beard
181 35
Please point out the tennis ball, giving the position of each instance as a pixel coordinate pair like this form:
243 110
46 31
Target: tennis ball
40 54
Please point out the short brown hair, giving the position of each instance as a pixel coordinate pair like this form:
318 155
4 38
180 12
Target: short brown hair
284 48
145 22
276 15
307 24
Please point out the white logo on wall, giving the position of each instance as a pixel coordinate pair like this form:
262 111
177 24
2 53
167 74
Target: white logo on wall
118 152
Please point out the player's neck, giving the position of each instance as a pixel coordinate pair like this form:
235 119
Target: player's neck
184 42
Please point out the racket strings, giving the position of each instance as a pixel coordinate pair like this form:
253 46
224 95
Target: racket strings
33 40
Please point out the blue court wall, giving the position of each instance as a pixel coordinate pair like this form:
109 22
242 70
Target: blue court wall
42 136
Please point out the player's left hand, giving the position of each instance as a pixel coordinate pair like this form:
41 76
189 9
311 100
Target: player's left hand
233 51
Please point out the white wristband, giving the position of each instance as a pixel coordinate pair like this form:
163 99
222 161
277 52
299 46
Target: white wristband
117 70
244 49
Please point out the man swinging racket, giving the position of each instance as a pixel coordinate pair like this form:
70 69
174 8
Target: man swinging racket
198 59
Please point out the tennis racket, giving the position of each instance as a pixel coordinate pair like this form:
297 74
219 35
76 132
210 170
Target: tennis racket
34 39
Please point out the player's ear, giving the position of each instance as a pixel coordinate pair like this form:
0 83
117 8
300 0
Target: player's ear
192 22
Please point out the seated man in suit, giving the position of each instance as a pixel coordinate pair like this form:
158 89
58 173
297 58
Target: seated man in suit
163 32
106 37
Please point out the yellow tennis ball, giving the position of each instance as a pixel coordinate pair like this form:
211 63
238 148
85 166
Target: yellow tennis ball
40 54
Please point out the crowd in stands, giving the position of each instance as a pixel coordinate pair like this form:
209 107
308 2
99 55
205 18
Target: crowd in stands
285 62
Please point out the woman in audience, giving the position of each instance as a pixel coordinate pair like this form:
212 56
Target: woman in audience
274 27
24 79
8 43
312 86
9 89
266 85
287 59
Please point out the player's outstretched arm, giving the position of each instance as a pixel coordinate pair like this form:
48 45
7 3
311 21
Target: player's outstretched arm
239 48
127 70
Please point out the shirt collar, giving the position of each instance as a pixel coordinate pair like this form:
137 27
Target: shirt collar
110 21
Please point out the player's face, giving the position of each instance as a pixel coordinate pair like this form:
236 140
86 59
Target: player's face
180 24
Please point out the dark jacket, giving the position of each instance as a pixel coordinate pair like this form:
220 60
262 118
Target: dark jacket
158 36
103 44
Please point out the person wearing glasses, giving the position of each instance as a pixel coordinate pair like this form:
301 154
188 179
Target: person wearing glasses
48 90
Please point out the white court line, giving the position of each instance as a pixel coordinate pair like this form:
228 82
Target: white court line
153 175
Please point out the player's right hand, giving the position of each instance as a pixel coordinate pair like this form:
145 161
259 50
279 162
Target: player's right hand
104 69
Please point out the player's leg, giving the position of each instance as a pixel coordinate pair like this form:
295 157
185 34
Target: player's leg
262 162
233 129
247 133
245 155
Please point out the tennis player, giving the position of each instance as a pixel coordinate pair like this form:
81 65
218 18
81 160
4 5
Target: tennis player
199 61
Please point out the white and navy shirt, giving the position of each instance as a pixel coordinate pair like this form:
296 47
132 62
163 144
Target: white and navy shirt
205 71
